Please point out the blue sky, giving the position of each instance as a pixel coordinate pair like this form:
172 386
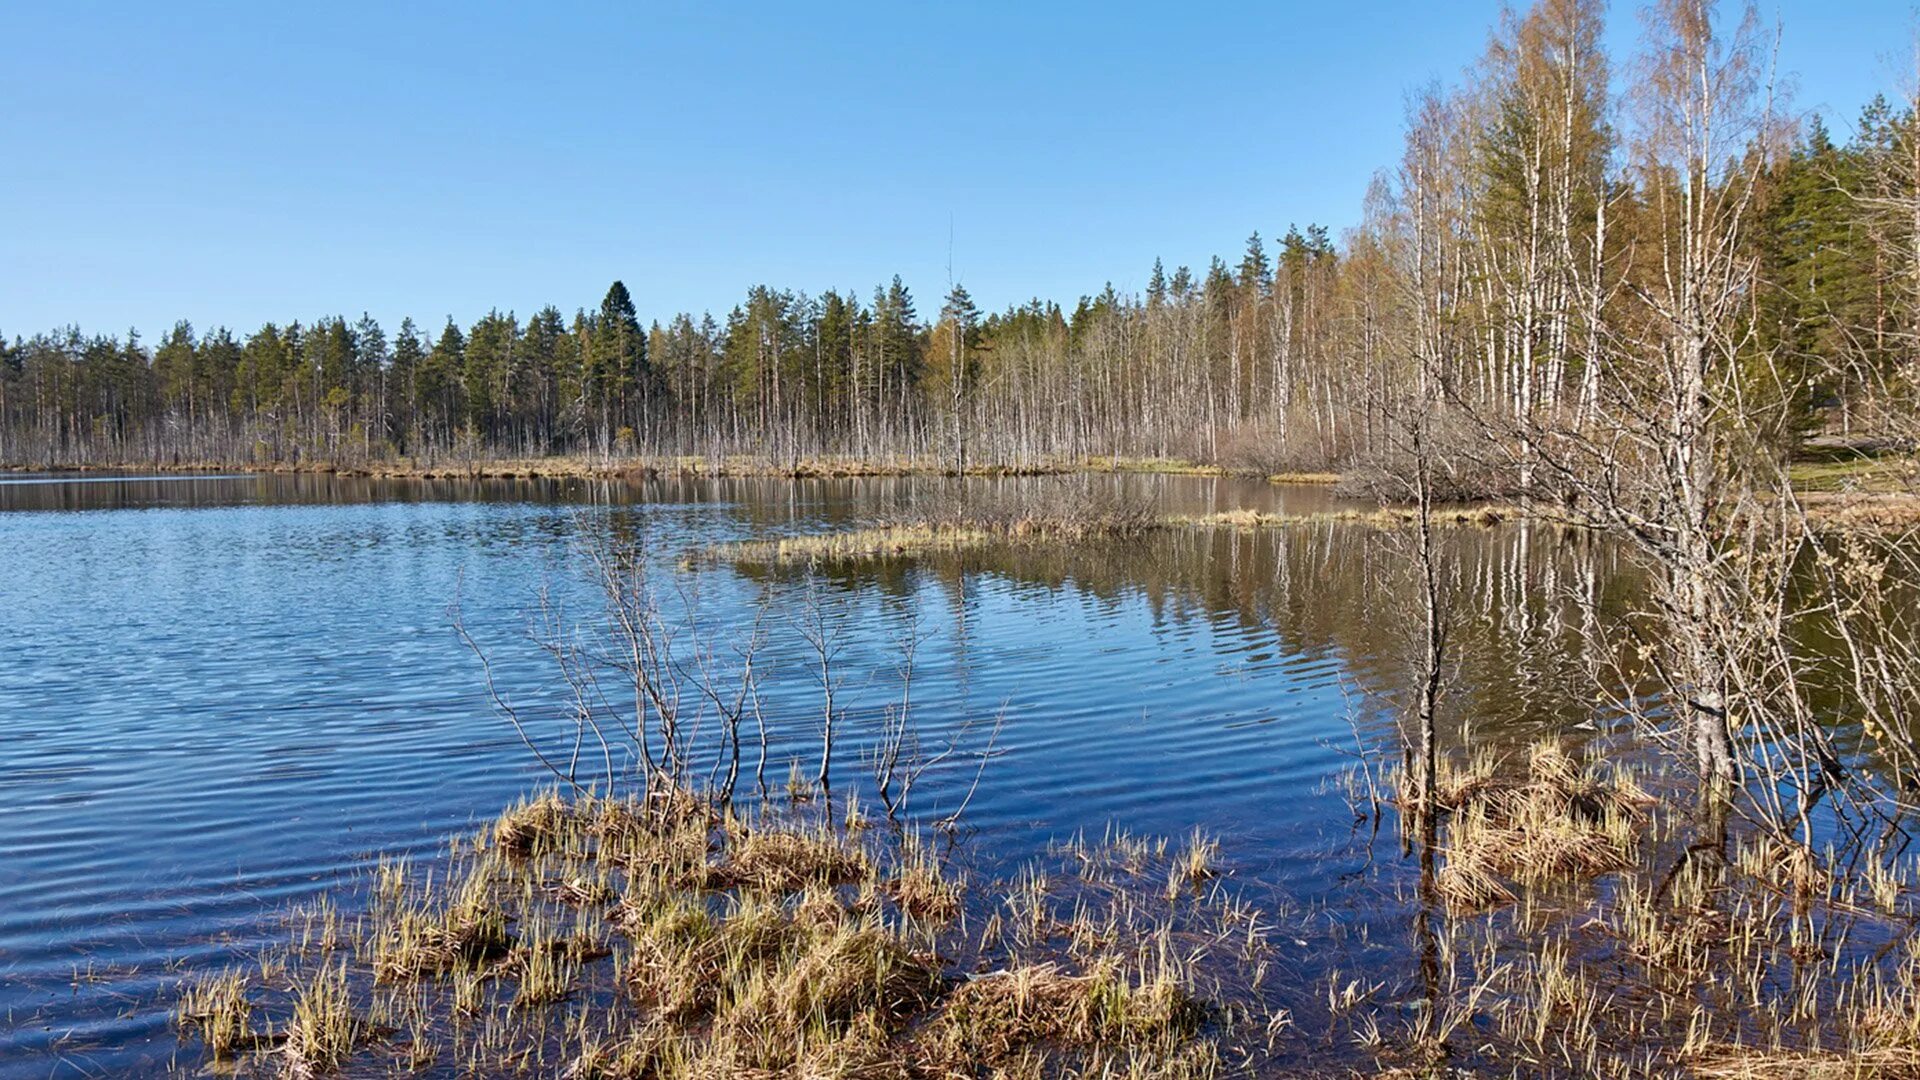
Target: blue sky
235 163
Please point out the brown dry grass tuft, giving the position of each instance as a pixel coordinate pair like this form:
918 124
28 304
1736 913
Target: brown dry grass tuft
216 1009
532 826
1003 1016
768 945
324 1028
787 860
1893 1063
1563 821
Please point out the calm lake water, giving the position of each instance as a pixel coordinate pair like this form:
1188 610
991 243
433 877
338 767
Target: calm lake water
220 696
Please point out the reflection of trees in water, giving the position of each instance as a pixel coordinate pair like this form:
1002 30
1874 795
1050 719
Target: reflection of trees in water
1322 587
1522 662
761 502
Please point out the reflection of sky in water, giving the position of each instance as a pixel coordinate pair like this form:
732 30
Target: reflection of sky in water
221 696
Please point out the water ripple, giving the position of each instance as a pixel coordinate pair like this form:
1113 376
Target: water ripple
223 696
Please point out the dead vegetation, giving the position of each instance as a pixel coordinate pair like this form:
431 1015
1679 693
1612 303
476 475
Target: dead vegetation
1565 928
215 1008
1483 515
966 530
1568 922
1882 514
672 937
1562 820
1065 512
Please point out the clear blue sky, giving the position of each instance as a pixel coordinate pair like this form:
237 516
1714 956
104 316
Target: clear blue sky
235 163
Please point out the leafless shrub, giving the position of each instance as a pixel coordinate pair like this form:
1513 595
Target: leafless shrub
1066 509
646 681
1269 448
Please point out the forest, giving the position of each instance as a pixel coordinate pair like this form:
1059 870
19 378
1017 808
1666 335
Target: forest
1572 729
1533 218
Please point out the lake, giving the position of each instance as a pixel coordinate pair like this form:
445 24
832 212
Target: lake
222 696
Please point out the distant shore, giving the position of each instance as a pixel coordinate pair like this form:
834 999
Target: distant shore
597 467
1849 497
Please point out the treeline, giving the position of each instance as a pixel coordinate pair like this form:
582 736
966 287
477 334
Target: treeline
1525 218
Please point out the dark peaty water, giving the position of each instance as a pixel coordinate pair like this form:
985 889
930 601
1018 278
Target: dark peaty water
222 696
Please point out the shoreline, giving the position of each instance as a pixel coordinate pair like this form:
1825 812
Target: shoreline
1824 508
576 467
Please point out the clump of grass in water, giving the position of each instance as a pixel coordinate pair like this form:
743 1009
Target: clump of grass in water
1563 821
324 1028
1060 513
777 942
998 1016
216 1009
1586 936
920 886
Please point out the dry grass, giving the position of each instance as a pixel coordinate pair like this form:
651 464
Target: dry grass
1386 517
1062 515
324 1028
999 1017
1899 1063
531 826
1562 821
970 531
666 938
876 542
433 933
773 859
1576 926
1197 863
600 938
216 1010
1881 512
639 467
921 887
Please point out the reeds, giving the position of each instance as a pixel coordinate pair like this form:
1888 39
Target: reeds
1568 923
1070 517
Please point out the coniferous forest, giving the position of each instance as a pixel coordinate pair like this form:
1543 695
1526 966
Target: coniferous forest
695 695
1531 218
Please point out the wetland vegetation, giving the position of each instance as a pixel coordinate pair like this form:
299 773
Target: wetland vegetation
830 692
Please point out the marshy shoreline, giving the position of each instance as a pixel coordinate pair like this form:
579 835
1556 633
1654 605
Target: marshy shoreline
670 935
641 467
1565 923
1861 495
1559 908
1569 907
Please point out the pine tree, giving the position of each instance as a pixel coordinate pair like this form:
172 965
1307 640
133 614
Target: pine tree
1256 274
956 339
403 372
618 378
438 383
173 370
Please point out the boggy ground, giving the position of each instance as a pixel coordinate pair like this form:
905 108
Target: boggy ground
670 937
1567 921
1072 521
1888 515
1561 920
